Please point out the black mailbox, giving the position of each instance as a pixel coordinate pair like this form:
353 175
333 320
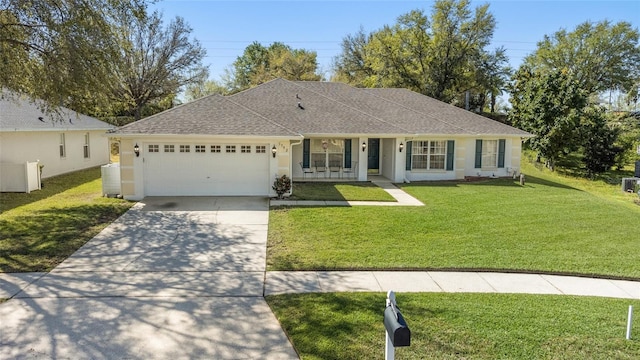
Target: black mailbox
397 328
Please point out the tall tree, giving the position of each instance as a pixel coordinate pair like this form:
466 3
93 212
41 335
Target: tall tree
259 64
437 56
601 56
598 140
548 104
203 88
155 62
352 66
491 77
60 50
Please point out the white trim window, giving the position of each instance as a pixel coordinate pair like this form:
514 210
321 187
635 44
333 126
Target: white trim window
169 148
63 146
327 152
85 147
216 148
245 149
490 153
185 148
201 148
230 149
153 148
429 154
261 149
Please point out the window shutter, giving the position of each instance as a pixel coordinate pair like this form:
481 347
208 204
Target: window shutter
501 144
408 154
306 150
450 154
478 153
347 153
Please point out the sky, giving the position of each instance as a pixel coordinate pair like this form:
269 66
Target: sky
226 28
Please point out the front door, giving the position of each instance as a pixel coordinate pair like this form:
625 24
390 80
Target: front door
373 163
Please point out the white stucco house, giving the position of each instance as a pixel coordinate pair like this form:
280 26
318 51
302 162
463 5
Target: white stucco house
62 142
238 144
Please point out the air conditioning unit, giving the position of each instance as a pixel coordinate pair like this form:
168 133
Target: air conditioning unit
629 184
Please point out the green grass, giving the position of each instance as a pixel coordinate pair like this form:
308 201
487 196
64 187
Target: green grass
41 229
359 191
459 326
545 226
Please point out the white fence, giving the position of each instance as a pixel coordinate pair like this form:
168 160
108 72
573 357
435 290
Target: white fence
20 177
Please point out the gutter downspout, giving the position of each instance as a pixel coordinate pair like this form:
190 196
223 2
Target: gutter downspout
291 163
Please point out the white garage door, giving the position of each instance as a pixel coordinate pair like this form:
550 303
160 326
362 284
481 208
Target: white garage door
179 169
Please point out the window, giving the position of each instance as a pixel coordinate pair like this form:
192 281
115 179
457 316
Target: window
327 151
169 148
63 147
231 148
185 148
489 153
201 148
429 155
245 149
261 149
215 148
85 147
154 148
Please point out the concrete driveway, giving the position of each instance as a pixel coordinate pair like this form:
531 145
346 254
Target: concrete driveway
177 278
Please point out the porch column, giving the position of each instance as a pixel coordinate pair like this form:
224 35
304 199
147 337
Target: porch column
400 160
363 159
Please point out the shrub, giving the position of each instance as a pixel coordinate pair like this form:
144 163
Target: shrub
282 185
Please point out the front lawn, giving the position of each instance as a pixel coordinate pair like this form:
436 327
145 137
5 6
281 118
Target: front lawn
41 229
358 191
545 226
459 326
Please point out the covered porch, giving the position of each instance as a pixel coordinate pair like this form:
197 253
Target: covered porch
342 159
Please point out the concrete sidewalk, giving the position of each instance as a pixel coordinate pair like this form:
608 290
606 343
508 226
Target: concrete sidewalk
289 282
401 197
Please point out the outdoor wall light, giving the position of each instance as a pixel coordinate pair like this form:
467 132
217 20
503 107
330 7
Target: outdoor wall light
273 151
136 149
364 146
401 147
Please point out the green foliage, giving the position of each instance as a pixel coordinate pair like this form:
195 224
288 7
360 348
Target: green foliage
549 105
155 63
459 326
442 55
600 56
61 51
282 185
598 141
203 88
259 64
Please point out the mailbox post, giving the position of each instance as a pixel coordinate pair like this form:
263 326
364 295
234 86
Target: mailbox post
397 332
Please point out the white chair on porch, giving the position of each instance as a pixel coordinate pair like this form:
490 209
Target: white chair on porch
306 170
351 172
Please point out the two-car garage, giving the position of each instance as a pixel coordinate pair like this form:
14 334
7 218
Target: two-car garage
206 169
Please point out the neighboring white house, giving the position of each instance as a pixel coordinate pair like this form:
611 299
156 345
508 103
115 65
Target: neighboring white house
238 144
63 142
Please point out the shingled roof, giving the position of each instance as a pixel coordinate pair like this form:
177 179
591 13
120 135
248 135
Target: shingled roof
298 108
21 114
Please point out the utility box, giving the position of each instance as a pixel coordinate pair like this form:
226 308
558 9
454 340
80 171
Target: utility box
111 179
629 184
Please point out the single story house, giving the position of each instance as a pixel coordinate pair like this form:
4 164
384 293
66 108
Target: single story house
238 144
61 142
